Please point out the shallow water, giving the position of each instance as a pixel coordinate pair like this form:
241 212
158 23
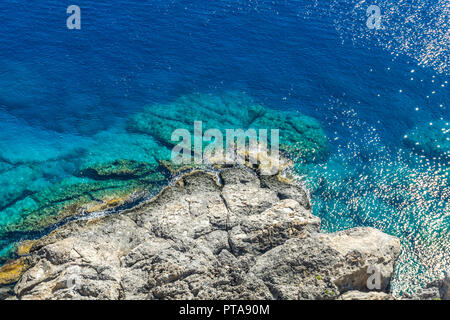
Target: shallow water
66 97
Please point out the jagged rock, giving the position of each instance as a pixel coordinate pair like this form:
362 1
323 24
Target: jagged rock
225 235
322 266
361 249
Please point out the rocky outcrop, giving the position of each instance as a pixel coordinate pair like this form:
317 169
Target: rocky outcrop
68 175
229 234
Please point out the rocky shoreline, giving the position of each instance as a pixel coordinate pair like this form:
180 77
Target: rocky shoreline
230 234
128 164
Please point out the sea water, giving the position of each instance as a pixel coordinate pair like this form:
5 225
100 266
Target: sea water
380 93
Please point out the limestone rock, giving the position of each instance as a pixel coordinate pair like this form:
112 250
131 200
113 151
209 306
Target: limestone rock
230 234
321 266
365 251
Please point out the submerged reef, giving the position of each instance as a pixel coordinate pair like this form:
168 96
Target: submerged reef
121 169
66 199
431 140
300 135
230 234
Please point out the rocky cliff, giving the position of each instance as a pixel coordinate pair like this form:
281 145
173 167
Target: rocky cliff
231 234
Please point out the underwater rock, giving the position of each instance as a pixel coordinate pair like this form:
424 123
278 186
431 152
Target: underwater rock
4 166
119 169
177 169
21 143
72 197
117 143
17 183
301 136
229 235
229 110
431 140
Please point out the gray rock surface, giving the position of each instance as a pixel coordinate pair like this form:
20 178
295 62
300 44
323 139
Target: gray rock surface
233 235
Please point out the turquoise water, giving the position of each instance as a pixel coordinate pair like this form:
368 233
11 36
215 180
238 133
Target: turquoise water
69 99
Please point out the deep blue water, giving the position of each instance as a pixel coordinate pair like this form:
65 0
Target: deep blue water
60 88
